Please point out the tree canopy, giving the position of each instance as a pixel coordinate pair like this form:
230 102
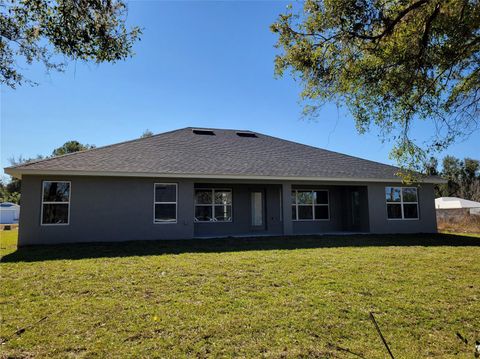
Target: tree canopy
146 133
463 177
40 30
391 63
70 147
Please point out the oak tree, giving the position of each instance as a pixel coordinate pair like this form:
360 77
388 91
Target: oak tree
392 63
52 32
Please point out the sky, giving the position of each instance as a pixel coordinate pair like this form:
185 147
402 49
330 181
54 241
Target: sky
199 64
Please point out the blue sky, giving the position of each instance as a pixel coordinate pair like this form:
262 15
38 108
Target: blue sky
202 64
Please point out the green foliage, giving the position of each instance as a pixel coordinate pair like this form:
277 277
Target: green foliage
8 193
40 30
146 133
391 63
71 147
431 167
225 299
463 177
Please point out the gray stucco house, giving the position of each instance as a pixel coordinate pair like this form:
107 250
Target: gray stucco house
194 183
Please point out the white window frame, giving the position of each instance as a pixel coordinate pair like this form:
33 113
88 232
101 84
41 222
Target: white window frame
296 204
213 205
53 202
401 203
155 221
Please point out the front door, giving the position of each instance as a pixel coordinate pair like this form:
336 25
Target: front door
257 209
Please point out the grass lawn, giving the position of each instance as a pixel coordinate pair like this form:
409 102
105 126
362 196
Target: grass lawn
297 297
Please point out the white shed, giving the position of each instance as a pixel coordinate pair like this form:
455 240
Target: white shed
9 213
455 203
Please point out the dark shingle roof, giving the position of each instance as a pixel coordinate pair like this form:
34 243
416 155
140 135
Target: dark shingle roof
182 152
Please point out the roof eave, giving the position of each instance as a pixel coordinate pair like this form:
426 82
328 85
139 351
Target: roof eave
19 172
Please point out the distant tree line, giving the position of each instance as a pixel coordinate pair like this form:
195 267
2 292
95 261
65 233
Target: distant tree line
463 177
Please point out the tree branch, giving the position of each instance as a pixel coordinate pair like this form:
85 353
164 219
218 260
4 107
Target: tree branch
390 24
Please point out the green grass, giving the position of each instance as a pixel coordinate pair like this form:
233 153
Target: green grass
296 297
8 241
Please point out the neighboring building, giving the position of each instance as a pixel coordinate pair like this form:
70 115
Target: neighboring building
9 213
455 203
454 209
193 183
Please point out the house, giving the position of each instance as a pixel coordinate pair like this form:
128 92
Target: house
9 213
194 183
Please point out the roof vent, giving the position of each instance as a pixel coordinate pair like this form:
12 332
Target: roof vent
198 131
247 134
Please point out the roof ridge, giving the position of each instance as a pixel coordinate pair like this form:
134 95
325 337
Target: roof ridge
219 129
93 149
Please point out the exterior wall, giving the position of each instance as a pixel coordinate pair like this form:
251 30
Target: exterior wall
104 209
241 212
121 208
379 223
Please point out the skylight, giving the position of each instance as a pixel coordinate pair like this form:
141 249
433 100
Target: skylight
246 134
199 131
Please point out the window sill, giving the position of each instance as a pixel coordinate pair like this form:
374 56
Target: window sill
311 220
403 219
212 221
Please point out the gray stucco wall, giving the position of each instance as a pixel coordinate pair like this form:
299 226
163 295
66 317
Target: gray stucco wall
121 208
427 222
104 209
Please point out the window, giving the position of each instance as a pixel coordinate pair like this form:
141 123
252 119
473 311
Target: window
165 203
213 205
55 202
402 202
308 205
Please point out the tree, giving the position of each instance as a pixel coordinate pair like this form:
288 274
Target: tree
6 196
451 172
146 133
70 147
40 30
470 176
463 178
391 63
431 167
